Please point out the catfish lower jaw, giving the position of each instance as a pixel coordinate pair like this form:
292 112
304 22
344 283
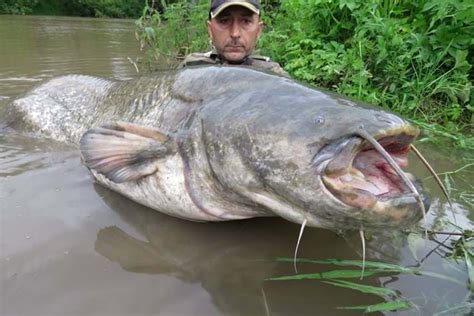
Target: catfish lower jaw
372 211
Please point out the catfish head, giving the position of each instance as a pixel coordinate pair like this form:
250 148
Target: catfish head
315 158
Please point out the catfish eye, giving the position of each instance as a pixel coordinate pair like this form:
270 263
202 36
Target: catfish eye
318 120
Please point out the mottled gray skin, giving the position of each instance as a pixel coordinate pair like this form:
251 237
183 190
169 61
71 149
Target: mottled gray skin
240 143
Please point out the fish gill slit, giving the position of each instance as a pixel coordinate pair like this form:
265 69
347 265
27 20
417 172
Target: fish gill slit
364 134
298 244
435 175
188 185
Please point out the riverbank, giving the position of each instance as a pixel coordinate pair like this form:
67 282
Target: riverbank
83 8
412 58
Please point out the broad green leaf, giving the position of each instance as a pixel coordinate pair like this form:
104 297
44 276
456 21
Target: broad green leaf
350 4
335 274
461 59
382 307
368 289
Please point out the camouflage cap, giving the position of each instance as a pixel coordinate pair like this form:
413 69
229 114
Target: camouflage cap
217 6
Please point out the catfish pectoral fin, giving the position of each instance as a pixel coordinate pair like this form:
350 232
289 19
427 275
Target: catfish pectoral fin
123 151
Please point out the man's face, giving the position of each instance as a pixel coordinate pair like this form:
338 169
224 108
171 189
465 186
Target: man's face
234 33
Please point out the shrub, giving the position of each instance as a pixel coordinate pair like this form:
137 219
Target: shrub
413 57
17 6
172 31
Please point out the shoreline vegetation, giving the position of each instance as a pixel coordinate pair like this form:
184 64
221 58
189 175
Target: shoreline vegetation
84 8
414 58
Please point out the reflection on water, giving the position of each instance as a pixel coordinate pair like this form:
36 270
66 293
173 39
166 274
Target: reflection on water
229 260
19 153
74 248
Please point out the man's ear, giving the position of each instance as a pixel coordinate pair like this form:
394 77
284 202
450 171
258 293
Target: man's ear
209 31
261 25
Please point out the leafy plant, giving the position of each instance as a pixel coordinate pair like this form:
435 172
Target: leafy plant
17 6
463 249
174 32
94 8
104 8
411 57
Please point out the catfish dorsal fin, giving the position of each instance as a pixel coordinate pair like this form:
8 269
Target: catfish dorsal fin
124 151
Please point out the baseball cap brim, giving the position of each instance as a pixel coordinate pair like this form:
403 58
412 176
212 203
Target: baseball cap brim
227 4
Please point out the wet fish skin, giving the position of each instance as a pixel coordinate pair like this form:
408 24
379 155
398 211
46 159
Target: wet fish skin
215 143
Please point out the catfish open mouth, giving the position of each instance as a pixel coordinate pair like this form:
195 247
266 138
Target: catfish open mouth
360 176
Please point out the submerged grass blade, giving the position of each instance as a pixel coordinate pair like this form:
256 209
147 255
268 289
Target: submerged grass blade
374 267
470 269
441 276
335 274
462 309
367 289
382 307
357 263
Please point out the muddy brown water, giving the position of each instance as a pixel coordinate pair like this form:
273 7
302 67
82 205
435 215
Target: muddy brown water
71 247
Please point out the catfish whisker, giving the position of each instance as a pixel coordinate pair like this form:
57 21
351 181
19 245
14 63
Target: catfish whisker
362 238
298 243
438 180
265 303
363 133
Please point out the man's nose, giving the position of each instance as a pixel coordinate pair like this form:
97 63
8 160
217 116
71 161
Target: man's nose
235 29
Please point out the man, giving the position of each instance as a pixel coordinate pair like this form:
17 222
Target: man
234 27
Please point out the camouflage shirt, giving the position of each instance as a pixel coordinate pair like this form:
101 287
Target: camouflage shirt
256 61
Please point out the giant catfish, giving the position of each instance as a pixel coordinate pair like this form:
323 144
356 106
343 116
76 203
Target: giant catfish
225 143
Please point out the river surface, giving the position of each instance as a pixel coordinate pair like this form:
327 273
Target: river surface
71 247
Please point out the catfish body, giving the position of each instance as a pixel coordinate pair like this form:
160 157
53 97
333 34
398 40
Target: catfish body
225 143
